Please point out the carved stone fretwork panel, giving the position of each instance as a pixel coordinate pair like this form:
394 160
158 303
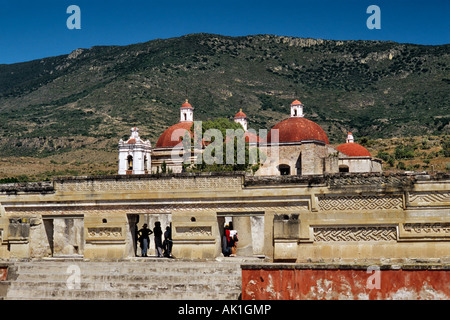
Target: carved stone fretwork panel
429 197
238 207
194 231
105 232
162 184
355 233
336 181
425 230
376 180
327 203
161 208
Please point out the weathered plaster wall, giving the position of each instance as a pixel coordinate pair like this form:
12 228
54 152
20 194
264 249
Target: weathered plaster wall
369 218
360 165
306 158
349 282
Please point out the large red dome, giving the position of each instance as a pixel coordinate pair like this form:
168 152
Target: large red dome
353 150
297 129
165 140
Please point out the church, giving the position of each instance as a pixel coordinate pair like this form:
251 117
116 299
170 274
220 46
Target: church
294 146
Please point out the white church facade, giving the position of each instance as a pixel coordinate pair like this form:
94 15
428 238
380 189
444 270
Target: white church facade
134 154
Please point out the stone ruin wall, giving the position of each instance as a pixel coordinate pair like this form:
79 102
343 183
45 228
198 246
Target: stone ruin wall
370 218
340 217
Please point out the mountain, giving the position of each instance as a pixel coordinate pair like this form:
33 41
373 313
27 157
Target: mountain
89 99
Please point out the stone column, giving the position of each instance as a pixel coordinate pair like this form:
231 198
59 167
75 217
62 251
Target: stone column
257 225
19 238
149 162
123 154
138 162
244 231
221 231
68 236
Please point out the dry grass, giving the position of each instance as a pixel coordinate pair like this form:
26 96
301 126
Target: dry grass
77 162
423 154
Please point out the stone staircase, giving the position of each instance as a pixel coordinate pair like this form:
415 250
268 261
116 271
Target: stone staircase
140 278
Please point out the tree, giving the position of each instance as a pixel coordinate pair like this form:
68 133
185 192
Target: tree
383 155
401 165
391 161
215 157
404 152
386 157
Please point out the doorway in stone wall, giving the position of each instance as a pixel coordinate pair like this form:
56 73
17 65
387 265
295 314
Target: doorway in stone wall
250 231
65 235
136 222
132 240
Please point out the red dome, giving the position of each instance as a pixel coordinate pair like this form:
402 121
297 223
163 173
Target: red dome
240 114
298 129
250 137
131 141
165 140
353 150
186 105
295 102
253 138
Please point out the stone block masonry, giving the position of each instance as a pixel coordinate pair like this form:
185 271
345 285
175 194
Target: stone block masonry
342 217
155 183
132 279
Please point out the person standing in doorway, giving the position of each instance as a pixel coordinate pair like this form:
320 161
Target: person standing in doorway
158 240
226 244
233 244
144 239
167 242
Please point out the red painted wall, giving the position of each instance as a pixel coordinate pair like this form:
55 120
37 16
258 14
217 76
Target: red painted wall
3 273
335 284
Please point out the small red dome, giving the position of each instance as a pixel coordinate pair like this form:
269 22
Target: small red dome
186 104
295 102
298 129
131 141
353 150
250 137
240 114
165 140
253 138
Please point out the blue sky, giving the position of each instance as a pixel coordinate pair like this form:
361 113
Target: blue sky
36 29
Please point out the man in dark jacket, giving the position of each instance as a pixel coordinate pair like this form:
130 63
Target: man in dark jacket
167 242
144 239
158 241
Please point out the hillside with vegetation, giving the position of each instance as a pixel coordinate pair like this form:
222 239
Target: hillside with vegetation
65 114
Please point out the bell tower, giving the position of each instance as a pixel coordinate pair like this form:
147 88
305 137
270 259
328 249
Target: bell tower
296 109
134 154
186 112
350 138
241 118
